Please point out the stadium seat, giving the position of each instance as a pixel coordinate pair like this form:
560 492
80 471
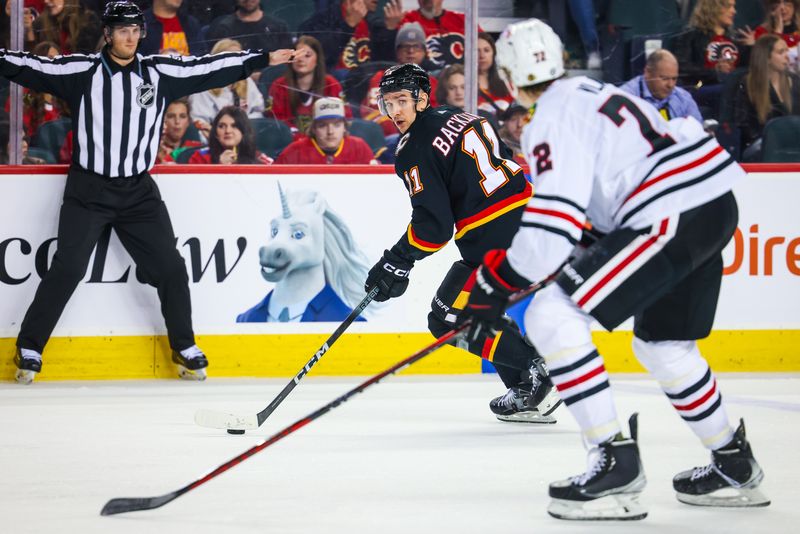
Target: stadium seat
272 135
41 153
50 136
369 131
780 140
269 75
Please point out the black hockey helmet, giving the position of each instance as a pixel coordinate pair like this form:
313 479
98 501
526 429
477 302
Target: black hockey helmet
123 13
409 76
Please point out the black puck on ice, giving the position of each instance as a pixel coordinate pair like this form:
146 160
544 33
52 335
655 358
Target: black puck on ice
235 431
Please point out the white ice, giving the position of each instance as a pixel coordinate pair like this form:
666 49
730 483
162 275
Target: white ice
410 455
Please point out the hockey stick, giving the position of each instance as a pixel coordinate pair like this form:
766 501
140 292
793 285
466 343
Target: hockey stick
237 424
132 504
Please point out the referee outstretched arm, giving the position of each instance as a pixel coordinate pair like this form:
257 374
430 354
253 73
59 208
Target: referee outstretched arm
118 99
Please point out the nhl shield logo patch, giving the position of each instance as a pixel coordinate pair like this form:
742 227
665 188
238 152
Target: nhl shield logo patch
146 95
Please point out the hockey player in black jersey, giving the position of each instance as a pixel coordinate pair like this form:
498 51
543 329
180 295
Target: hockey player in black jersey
460 177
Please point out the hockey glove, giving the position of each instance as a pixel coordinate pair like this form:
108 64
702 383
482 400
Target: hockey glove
390 275
488 299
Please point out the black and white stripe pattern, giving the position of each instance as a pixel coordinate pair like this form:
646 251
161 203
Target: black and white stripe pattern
117 112
675 181
557 215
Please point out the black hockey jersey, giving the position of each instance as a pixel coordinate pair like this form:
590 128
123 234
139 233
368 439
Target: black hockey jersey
461 178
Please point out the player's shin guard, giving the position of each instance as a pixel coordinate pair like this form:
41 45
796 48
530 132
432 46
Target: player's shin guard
689 385
610 487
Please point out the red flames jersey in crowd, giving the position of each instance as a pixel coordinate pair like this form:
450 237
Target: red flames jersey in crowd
279 93
791 39
357 50
721 48
306 151
444 36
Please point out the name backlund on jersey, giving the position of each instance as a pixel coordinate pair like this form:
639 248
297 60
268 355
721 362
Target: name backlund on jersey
459 175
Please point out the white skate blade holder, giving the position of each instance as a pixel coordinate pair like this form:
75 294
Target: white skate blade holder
225 421
24 376
617 507
189 374
531 417
727 498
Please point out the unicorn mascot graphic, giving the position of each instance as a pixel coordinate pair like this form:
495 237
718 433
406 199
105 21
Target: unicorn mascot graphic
313 260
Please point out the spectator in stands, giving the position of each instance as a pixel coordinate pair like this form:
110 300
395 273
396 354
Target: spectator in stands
26 159
782 18
243 94
493 95
232 141
169 27
410 46
444 30
349 35
252 27
176 122
658 86
706 52
514 119
74 28
37 107
328 140
306 80
768 91
452 86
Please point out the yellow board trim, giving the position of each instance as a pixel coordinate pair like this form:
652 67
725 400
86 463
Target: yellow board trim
137 357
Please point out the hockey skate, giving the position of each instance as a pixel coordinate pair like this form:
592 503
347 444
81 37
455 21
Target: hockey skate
530 401
731 479
191 366
610 487
28 365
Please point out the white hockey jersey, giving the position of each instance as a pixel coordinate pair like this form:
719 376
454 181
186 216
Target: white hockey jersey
601 154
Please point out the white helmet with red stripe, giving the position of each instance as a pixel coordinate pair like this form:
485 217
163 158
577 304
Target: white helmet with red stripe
530 53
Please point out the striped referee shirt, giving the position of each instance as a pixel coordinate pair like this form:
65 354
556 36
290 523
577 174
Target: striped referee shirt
118 111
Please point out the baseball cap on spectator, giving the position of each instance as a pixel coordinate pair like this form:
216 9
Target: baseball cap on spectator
328 108
410 33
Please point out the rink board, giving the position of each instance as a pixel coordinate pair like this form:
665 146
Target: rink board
112 327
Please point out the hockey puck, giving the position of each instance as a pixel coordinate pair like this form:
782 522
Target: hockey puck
235 431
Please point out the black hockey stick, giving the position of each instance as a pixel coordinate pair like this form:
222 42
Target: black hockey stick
133 504
237 424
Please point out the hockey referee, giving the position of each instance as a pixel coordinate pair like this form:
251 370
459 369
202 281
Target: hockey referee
118 99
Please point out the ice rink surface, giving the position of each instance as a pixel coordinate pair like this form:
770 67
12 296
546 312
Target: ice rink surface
410 455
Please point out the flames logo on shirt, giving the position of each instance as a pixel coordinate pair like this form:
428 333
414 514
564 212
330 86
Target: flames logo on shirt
721 51
445 49
356 52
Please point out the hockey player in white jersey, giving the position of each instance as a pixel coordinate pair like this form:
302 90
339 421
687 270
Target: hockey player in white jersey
659 194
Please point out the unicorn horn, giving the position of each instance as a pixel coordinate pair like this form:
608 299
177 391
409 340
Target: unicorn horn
284 203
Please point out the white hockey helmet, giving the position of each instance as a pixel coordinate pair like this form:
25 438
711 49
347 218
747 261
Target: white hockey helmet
529 53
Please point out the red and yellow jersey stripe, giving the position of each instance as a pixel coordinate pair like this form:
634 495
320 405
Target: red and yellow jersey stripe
494 211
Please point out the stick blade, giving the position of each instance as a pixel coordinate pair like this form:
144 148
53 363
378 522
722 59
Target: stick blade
225 421
122 505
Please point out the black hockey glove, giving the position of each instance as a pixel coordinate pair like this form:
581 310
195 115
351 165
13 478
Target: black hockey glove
488 299
390 275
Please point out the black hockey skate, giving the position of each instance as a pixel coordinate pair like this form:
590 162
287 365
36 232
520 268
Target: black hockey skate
27 367
731 479
193 366
610 487
530 401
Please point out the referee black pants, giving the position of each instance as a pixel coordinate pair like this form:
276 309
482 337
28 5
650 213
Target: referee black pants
134 209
